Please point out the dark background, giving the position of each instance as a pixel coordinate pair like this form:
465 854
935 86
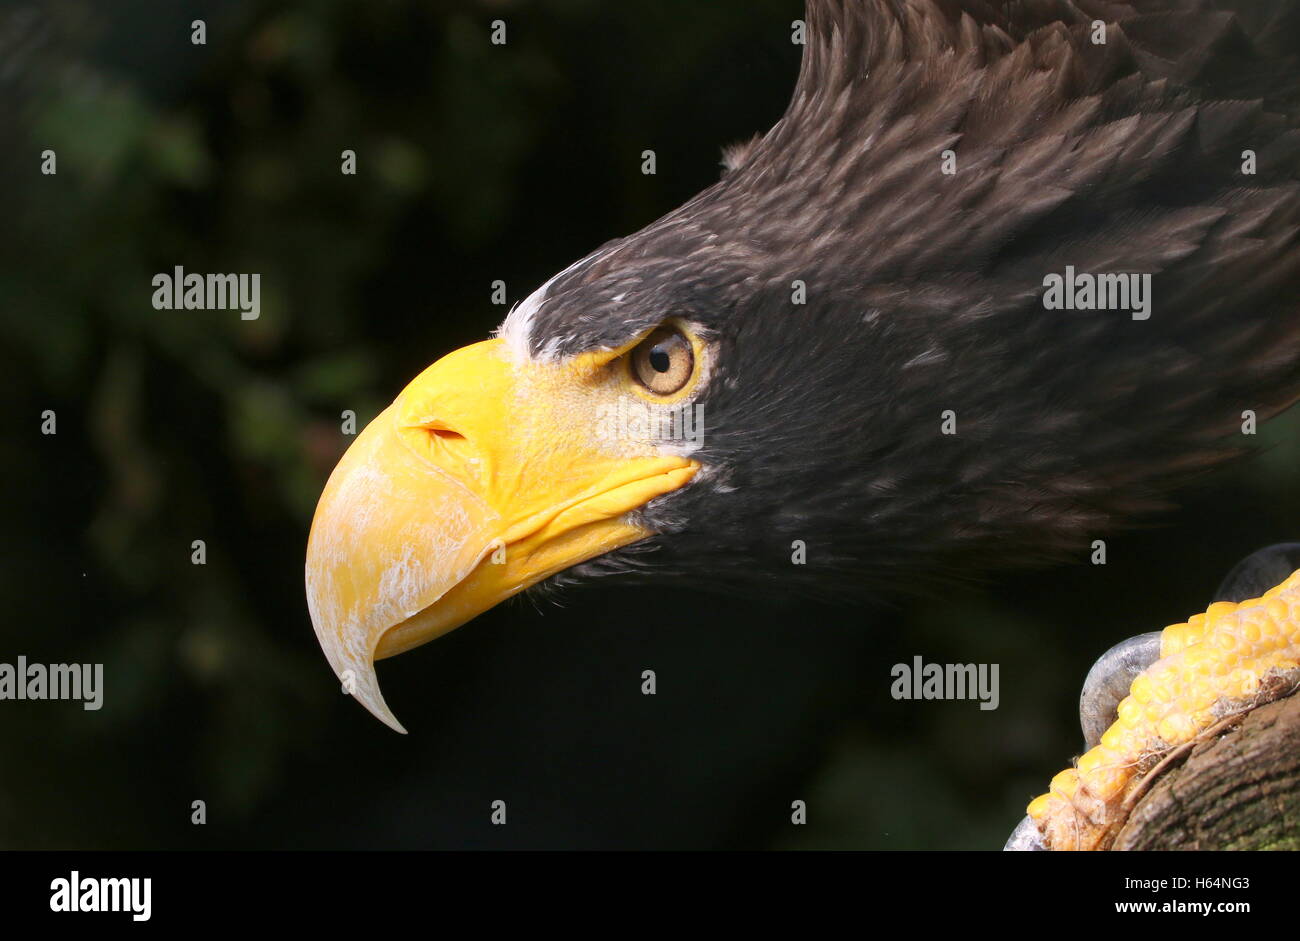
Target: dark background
475 162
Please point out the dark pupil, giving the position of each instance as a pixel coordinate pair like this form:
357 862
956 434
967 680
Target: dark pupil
659 359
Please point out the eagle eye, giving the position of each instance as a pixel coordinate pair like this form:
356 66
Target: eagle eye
664 362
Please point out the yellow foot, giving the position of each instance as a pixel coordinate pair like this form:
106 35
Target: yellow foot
1227 661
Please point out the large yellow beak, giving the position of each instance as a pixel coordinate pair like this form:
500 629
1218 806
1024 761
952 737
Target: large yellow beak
485 476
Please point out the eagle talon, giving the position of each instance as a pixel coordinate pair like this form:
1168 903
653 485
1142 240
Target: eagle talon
1025 838
1109 680
1229 659
1259 572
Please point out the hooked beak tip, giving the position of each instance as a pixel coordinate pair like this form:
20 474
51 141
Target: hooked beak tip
367 693
362 684
354 668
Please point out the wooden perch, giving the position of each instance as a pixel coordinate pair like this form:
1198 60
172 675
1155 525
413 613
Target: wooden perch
1238 790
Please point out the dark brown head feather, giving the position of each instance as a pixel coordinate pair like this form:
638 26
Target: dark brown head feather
924 290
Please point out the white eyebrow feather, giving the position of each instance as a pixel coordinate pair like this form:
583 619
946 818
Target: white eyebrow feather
517 328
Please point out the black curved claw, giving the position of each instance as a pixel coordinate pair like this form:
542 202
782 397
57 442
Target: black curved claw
1024 838
1259 572
1109 680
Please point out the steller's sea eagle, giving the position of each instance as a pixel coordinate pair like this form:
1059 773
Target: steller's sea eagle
853 342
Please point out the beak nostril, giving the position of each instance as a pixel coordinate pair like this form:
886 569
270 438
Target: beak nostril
439 430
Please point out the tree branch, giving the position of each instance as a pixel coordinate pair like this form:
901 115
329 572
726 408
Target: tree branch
1239 790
